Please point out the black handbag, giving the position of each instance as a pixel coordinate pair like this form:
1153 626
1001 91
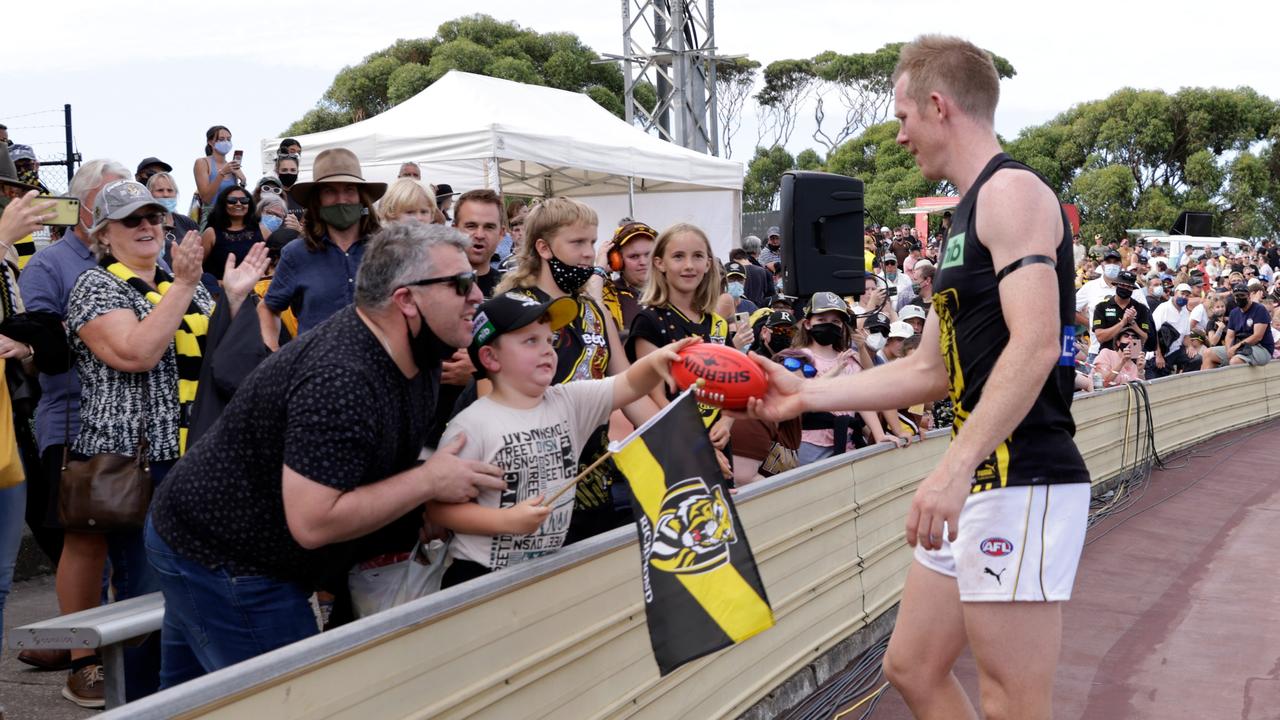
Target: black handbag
106 492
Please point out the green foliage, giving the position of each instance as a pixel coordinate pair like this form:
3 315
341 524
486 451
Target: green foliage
407 80
764 177
477 44
809 159
889 174
1204 149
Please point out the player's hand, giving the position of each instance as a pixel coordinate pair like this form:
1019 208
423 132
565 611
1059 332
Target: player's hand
1130 314
782 400
452 479
526 517
670 353
937 501
457 370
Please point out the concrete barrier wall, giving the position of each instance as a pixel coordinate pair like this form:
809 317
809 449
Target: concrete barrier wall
565 636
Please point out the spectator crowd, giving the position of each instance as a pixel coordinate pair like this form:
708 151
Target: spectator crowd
324 377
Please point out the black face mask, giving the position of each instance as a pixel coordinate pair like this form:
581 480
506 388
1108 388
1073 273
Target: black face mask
778 343
569 278
1242 301
826 334
428 350
1124 293
288 179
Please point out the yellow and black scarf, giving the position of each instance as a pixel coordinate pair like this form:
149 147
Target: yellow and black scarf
188 341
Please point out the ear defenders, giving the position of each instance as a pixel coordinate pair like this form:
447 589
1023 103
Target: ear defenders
621 236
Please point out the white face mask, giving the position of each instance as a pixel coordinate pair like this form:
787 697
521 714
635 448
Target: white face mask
876 341
1110 271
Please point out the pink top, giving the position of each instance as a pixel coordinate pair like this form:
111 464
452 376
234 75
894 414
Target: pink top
1109 360
827 437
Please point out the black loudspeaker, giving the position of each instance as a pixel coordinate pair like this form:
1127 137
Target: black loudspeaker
1199 224
822 220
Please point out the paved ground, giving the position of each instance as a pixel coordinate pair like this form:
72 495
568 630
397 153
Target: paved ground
1176 611
27 693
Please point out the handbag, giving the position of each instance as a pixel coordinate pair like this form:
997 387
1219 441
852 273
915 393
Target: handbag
106 492
376 587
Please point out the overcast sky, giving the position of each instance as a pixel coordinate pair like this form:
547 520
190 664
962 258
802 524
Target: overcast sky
147 78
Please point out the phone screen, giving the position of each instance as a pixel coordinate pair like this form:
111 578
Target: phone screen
235 156
66 209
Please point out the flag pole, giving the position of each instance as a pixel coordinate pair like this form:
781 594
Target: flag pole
616 446
572 483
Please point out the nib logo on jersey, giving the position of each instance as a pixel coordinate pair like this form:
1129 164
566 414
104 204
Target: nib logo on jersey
996 547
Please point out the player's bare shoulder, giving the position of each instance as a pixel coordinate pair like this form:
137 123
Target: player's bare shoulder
1016 208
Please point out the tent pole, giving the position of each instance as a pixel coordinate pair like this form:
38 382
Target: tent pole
631 197
495 182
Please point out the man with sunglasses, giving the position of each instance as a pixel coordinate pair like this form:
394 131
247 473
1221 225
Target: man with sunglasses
313 466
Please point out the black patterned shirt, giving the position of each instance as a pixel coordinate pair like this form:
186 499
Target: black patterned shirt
110 400
333 406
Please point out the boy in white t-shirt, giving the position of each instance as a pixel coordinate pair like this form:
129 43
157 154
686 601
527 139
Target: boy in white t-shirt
531 429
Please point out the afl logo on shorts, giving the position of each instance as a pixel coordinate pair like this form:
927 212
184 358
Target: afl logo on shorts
996 547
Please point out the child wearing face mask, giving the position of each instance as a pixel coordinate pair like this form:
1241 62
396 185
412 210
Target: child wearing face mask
822 349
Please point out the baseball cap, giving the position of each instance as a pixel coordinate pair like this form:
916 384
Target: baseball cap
1240 288
1127 278
119 199
21 152
734 268
901 330
912 312
877 322
149 161
632 230
1183 287
511 311
780 317
924 264
824 301
774 231
890 258
1111 254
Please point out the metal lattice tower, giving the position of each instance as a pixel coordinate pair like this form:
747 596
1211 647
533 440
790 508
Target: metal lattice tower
671 46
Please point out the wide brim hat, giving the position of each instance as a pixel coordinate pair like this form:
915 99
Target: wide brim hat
336 165
9 171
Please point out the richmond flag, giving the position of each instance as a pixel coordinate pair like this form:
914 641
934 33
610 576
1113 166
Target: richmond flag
702 591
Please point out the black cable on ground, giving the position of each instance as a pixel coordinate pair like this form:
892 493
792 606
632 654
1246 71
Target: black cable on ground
848 685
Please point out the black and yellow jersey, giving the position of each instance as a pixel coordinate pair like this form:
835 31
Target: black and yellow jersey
664 325
966 298
582 346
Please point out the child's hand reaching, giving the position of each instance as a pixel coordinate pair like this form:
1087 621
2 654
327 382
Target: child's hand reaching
669 354
528 516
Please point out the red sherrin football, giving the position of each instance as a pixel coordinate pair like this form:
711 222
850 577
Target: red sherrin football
729 377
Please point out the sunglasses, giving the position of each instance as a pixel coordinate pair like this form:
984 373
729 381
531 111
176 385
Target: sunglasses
271 189
239 201
793 364
462 282
134 221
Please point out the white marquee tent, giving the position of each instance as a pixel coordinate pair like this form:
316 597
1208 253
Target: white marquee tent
474 131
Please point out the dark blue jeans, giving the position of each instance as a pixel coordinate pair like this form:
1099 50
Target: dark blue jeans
213 619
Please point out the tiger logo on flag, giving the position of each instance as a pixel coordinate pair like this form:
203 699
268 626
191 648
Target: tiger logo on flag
694 529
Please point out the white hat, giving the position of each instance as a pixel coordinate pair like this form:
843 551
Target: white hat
901 330
884 229
924 263
910 312
1183 287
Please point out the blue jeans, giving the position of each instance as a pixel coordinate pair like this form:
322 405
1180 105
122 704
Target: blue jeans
213 619
13 506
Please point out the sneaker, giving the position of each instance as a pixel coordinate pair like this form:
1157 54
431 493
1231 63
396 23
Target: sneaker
85 687
46 659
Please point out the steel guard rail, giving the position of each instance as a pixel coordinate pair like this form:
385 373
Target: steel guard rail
565 636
